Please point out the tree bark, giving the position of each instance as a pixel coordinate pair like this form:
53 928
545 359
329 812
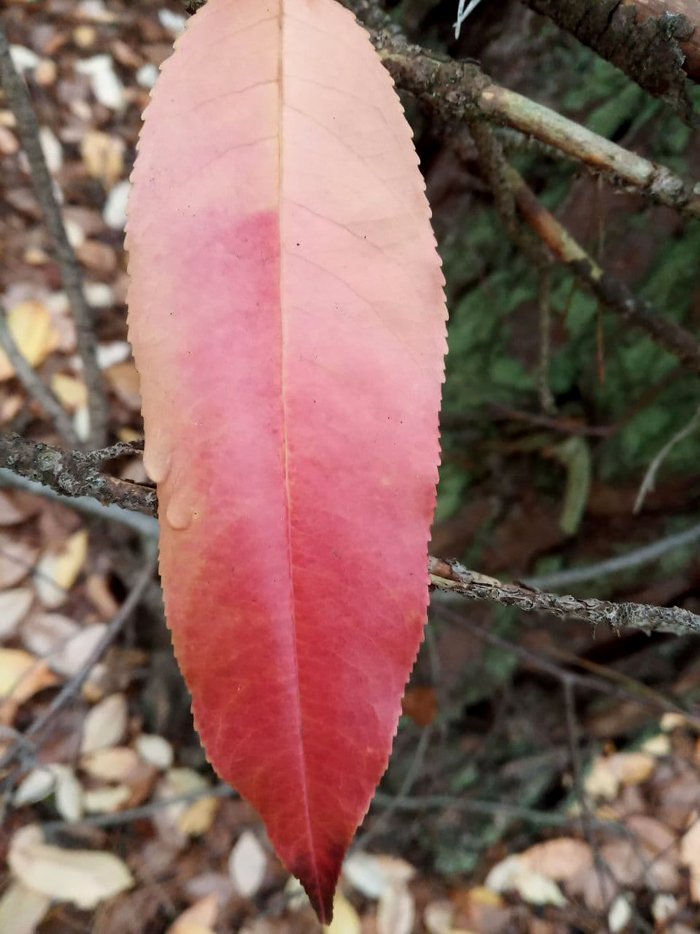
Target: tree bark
655 42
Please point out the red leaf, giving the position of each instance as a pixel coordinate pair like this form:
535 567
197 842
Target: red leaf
287 316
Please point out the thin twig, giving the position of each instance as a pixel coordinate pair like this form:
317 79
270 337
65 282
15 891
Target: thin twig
21 105
630 560
649 481
613 293
143 812
35 386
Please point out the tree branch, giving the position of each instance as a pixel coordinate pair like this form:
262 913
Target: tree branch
452 577
654 42
460 91
21 105
75 474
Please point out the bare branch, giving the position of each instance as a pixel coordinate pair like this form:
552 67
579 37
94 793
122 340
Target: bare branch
610 291
453 578
460 91
655 42
73 473
21 105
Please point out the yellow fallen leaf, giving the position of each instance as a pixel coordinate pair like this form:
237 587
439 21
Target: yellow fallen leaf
57 572
106 800
21 676
32 328
71 392
103 156
83 877
345 919
124 380
191 820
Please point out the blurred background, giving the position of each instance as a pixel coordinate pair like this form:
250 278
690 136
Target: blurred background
545 775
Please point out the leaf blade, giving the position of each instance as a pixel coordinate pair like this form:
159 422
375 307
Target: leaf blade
318 338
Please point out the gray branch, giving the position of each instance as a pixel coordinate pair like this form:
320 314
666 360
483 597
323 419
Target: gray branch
20 102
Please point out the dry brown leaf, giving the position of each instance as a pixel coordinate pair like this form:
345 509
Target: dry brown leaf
21 676
31 326
247 865
11 513
22 909
14 606
16 561
105 725
57 572
71 392
82 877
608 773
200 918
110 765
559 859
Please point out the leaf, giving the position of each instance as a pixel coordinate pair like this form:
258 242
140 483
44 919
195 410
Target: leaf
690 857
83 877
22 909
345 919
21 676
200 918
105 725
396 911
31 326
247 865
287 318
14 606
56 573
514 874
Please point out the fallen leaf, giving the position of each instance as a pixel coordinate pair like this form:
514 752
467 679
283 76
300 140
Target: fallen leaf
14 606
103 156
124 380
372 874
68 793
16 561
71 392
345 919
11 513
155 750
608 773
247 865
83 877
105 725
620 913
396 911
512 874
110 765
31 326
57 572
22 909
35 786
22 675
104 81
690 857
106 800
190 819
199 918
559 859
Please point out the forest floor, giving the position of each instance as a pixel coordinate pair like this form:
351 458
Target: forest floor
545 778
